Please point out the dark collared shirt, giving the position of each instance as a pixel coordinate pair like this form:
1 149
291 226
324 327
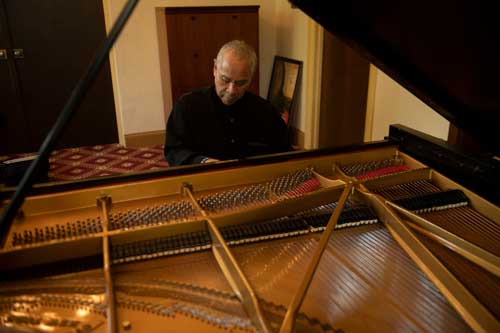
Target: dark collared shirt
200 126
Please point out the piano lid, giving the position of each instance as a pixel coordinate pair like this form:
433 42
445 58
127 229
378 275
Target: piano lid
445 52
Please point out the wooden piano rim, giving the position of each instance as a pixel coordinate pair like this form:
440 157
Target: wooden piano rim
66 186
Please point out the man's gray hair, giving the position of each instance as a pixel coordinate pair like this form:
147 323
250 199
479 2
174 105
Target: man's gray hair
242 51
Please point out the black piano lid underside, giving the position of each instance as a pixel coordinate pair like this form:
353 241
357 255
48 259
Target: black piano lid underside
445 52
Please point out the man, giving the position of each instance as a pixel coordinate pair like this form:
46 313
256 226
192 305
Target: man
225 121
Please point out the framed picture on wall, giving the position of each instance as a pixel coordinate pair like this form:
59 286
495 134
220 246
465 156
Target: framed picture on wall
282 91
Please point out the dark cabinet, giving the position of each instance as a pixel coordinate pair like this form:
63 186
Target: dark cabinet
195 35
48 45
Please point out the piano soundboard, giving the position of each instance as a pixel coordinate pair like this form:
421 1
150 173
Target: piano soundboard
360 241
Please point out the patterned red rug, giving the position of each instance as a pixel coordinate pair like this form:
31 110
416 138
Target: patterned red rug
102 160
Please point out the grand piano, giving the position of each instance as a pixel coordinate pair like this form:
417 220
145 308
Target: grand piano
401 235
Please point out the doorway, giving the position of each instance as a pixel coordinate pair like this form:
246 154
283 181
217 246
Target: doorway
195 35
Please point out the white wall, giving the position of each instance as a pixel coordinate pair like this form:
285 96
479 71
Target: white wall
393 104
137 64
292 42
282 31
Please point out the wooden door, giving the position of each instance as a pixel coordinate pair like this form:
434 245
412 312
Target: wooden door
12 118
59 39
344 90
195 35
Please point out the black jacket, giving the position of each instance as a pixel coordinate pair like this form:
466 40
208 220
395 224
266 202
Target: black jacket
200 126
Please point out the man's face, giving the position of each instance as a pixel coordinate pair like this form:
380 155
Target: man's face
232 78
